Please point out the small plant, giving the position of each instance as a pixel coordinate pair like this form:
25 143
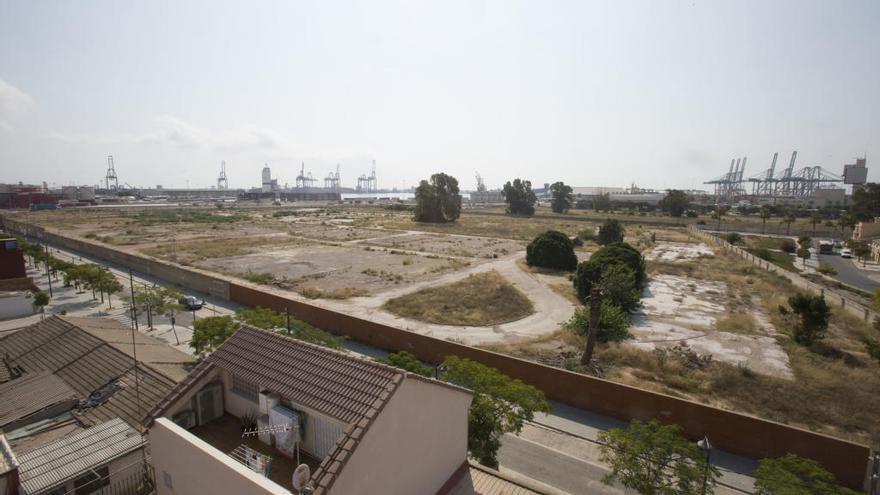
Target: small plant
407 261
259 278
248 420
733 238
826 269
788 246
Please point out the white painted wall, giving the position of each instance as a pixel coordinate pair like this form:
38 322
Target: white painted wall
417 442
15 306
194 468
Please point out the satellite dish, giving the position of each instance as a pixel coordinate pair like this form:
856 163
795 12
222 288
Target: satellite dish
301 477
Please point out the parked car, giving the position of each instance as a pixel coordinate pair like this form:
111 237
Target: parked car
191 303
846 253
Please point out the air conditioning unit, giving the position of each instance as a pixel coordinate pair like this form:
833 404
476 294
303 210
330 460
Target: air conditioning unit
209 403
268 400
185 419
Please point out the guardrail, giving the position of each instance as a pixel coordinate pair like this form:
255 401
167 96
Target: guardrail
846 302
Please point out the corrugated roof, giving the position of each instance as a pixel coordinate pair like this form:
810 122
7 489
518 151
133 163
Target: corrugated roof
87 353
31 394
331 382
70 457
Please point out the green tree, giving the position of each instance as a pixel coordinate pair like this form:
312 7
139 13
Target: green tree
438 201
261 318
108 284
618 283
610 232
733 237
551 249
846 221
41 299
720 211
655 459
211 331
815 219
590 272
812 314
803 253
406 361
794 475
500 405
300 330
614 323
866 202
861 250
562 199
519 197
602 202
788 219
675 202
765 215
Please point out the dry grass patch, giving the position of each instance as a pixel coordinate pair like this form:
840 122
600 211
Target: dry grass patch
478 300
743 323
343 293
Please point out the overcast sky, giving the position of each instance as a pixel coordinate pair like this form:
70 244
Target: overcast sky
660 93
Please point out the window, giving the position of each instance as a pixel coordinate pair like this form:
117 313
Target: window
245 389
92 481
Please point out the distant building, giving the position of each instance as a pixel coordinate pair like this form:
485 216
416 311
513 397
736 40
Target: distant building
362 426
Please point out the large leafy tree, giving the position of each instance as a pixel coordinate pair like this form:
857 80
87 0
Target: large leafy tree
609 232
407 361
519 197
438 201
794 475
655 459
210 332
551 249
613 325
602 202
591 271
866 202
300 330
561 197
500 405
675 202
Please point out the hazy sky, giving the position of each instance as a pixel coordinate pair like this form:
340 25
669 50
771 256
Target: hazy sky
663 93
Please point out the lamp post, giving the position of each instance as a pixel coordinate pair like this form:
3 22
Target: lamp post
441 368
707 448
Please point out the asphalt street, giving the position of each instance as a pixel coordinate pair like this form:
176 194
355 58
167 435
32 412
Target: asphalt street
848 273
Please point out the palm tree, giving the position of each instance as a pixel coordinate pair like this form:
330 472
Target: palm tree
788 219
814 219
765 214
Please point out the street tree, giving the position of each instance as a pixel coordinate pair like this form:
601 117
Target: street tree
500 405
108 284
866 202
803 253
846 221
438 201
655 459
795 475
551 249
561 197
861 250
519 197
211 331
765 215
610 232
788 219
675 202
272 320
810 315
41 299
815 219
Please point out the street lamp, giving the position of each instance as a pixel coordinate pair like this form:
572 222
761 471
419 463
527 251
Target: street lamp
441 368
707 448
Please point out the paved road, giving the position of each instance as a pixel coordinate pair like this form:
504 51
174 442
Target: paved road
848 273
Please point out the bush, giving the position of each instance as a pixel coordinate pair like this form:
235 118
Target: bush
590 272
733 238
618 284
587 235
812 314
788 246
762 253
551 249
692 214
872 347
826 269
614 323
407 361
610 232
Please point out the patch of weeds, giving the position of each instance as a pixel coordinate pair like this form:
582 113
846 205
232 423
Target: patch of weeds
407 261
258 278
343 293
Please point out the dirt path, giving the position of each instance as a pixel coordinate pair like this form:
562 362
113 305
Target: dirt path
551 309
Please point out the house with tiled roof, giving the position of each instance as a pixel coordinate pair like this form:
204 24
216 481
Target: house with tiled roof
263 404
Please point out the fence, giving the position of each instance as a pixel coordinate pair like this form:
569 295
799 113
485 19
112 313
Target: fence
846 302
734 432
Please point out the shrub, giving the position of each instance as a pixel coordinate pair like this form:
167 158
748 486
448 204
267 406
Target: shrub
826 269
733 238
618 284
788 246
812 314
614 323
610 232
762 253
692 214
407 361
551 249
621 253
587 235
872 346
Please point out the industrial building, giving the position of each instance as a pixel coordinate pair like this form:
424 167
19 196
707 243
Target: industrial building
806 186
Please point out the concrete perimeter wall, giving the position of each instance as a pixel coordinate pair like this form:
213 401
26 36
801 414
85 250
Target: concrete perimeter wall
730 431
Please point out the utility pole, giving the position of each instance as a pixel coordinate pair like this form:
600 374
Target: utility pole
48 270
595 309
134 315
